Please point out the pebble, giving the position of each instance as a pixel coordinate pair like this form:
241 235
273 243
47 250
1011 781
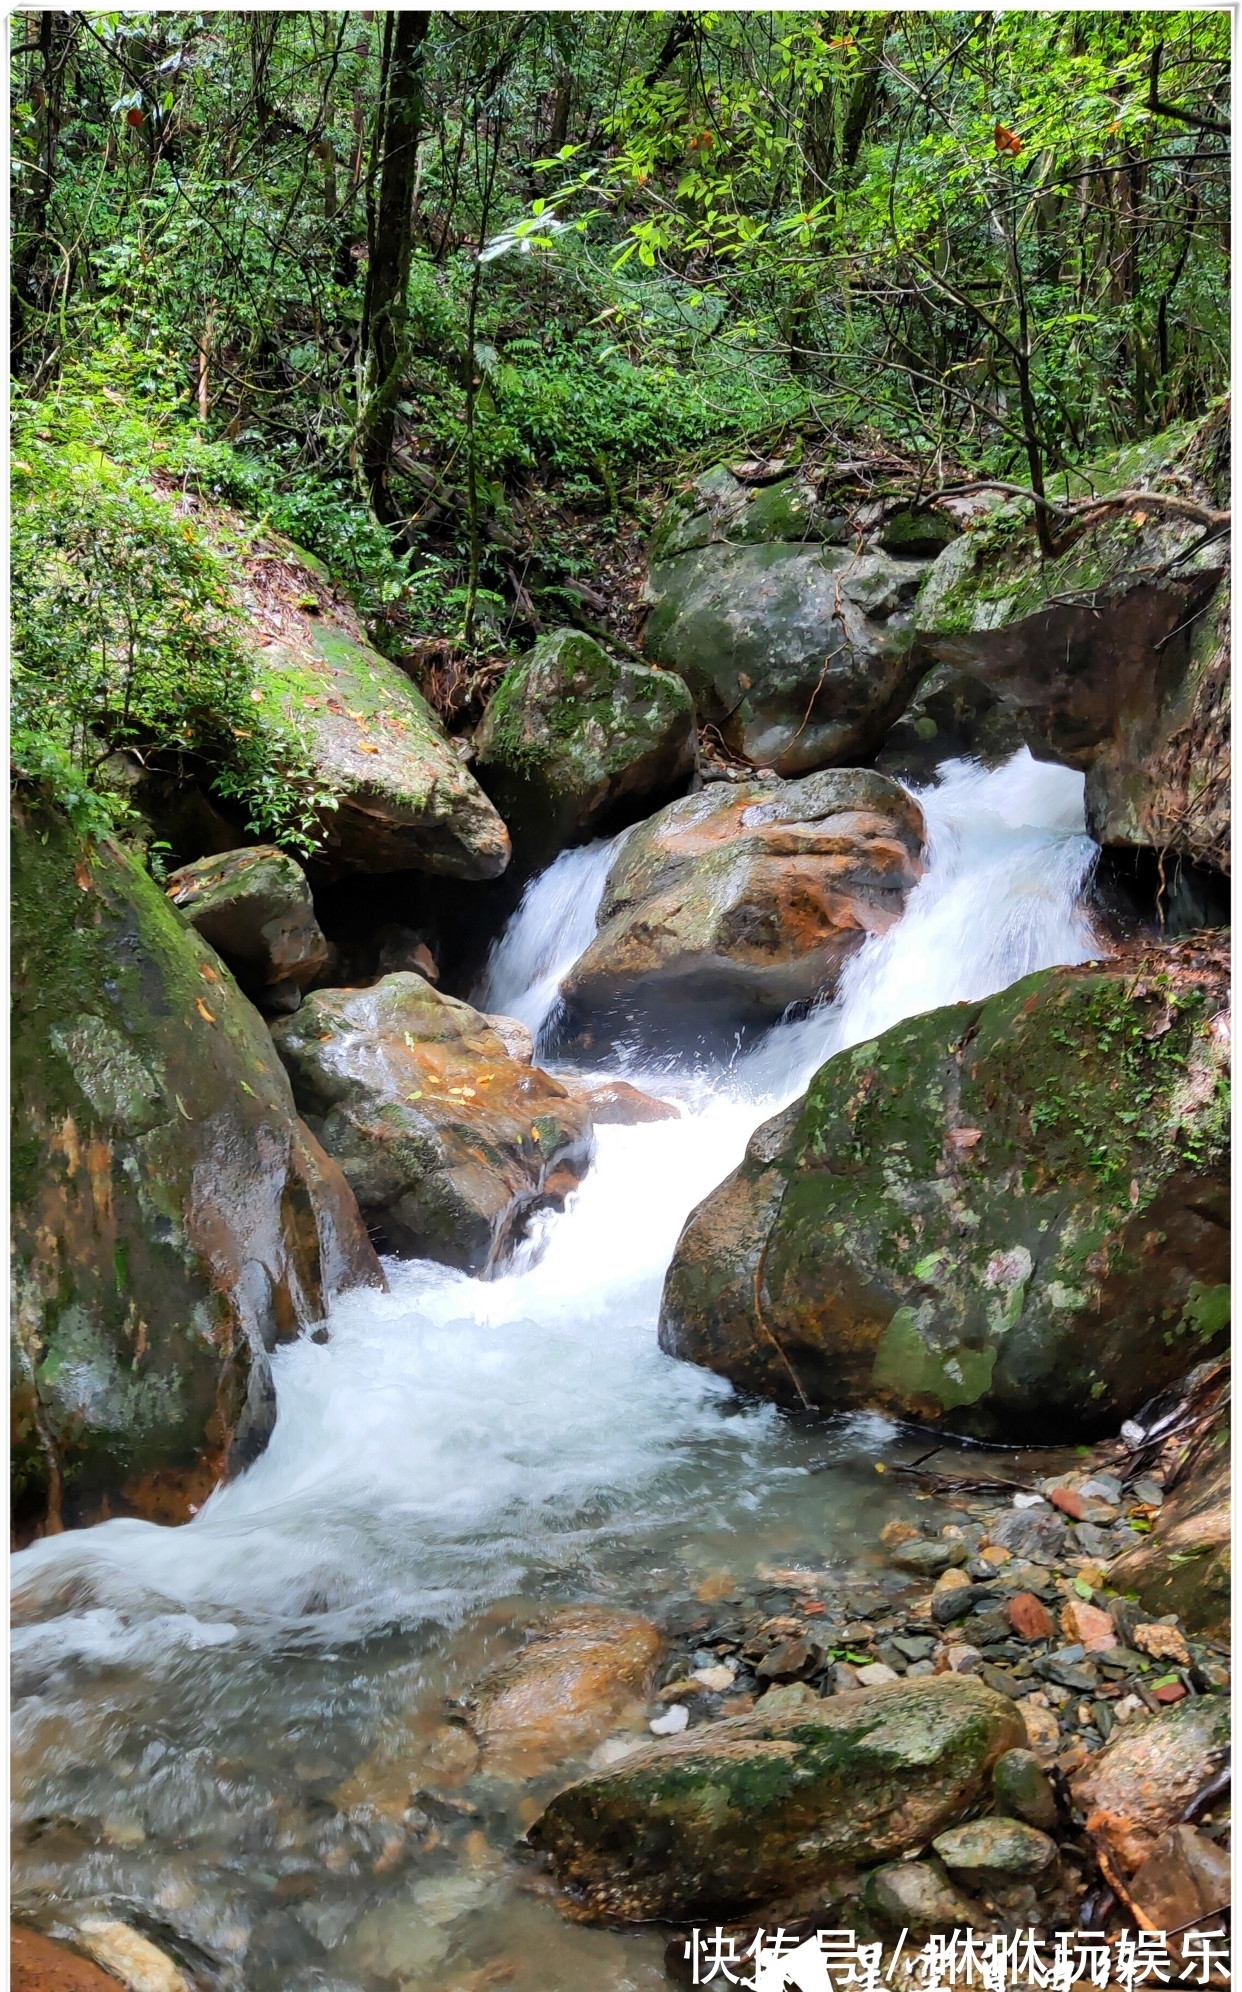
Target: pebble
672 1724
715 1679
963 1660
1029 1619
1162 1642
1043 1732
876 1675
1092 1628
928 1557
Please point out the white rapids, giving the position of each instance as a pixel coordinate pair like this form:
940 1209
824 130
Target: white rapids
452 1437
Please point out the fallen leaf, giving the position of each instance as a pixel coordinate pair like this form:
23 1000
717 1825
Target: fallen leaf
82 873
203 1011
367 747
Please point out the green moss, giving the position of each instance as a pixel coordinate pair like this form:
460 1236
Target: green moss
904 1363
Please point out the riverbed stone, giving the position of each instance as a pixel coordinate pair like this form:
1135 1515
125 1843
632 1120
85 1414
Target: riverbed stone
1037 1281
1022 1789
583 1672
448 1143
254 906
918 1895
1138 1786
751 1808
728 906
996 1847
575 739
929 1556
173 1218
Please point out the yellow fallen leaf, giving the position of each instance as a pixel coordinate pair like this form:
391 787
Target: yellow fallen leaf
203 1011
366 747
413 1096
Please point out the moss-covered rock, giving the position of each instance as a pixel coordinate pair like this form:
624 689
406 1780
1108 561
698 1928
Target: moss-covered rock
719 508
1113 656
402 797
1009 1217
914 534
173 1218
726 907
254 907
800 654
574 739
448 1143
756 1807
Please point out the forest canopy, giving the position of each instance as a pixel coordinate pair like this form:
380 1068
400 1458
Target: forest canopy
427 290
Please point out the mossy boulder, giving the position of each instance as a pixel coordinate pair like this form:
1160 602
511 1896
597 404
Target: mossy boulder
173 1218
1112 657
1007 1217
575 740
914 534
449 1144
254 906
726 907
720 509
799 653
758 1806
402 798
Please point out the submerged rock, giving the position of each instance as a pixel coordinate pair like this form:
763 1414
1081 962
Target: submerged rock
572 736
728 906
752 1808
1139 1785
584 1671
618 1104
448 1143
172 1217
1007 1216
917 1895
255 908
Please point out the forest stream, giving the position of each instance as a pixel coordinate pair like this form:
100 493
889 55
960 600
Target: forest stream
211 1720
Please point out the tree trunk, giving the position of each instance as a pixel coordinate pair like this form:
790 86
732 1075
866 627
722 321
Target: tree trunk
389 237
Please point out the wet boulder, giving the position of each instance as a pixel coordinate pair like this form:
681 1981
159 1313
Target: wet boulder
401 797
1147 1774
1112 657
448 1143
575 740
582 1673
1184 1565
728 906
173 1219
755 1807
1008 1217
616 1103
254 907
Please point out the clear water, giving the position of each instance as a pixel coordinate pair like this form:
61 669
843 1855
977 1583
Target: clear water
191 1704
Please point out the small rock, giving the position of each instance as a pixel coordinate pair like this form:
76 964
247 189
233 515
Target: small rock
845 1679
897 1532
1104 1487
1093 1628
876 1675
673 1723
715 1679
1043 1732
1162 1642
791 1660
963 1660
1184 1879
781 1701
914 1646
1022 1789
1169 1692
1099 1543
1149 1492
915 1895
130 1957
1038 1535
565 1689
995 1554
1128 1707
996 1846
928 1557
1028 1618
514 1036
1003 1683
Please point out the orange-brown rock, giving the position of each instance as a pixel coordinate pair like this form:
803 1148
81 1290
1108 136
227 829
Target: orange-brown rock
1142 1781
448 1144
583 1672
40 1964
1086 1625
618 1104
726 907
1028 1617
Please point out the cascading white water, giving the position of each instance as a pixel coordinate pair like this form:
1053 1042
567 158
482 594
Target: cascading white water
457 1454
453 1435
553 925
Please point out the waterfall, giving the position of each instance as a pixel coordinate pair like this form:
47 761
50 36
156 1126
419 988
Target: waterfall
452 1437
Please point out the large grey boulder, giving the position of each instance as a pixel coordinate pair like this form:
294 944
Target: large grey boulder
255 908
796 647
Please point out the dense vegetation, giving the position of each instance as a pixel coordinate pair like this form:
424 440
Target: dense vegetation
448 297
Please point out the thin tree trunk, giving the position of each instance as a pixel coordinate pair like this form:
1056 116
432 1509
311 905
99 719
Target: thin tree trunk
389 239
